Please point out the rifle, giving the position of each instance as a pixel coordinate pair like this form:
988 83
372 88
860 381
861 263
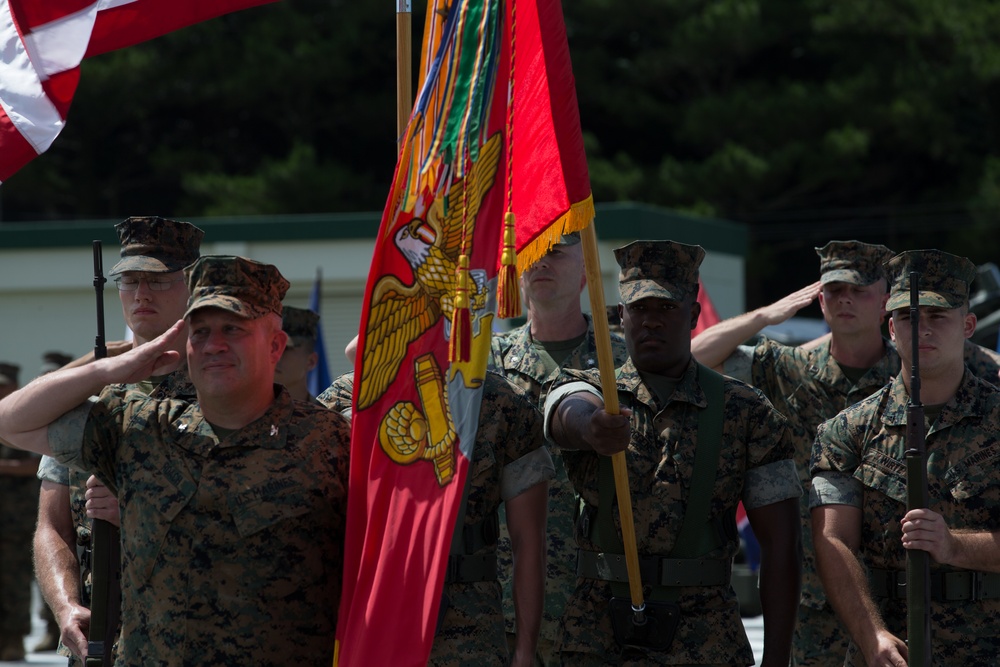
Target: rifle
105 540
918 568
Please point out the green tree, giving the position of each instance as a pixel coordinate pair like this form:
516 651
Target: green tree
806 119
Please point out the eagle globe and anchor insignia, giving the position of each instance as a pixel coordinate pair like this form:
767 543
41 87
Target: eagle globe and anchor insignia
400 314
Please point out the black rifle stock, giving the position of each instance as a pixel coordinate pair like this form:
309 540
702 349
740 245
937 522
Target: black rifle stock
918 585
105 599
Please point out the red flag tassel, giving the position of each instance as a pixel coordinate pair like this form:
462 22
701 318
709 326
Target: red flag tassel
460 346
508 292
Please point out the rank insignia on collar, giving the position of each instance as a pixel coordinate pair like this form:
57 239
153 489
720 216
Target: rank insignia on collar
274 430
182 428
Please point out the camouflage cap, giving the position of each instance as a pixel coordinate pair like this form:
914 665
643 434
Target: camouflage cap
661 269
8 373
53 361
852 262
299 323
157 245
242 286
943 282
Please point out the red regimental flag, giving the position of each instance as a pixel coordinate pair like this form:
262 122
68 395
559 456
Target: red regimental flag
43 42
417 395
709 316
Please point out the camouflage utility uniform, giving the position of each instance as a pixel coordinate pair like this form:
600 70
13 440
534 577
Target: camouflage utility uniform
18 509
516 355
339 394
808 387
232 547
754 467
177 385
859 461
508 459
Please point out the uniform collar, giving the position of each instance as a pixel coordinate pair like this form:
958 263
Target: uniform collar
969 401
826 370
269 431
688 389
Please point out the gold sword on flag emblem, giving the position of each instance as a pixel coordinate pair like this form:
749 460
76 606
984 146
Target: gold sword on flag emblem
407 435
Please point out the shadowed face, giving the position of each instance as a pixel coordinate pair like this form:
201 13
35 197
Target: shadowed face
148 312
850 309
556 277
296 362
940 338
658 333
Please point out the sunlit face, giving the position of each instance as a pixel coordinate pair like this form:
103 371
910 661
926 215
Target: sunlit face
658 333
556 277
296 362
940 340
850 309
148 313
230 356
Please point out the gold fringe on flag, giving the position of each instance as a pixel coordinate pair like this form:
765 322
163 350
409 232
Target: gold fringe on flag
460 345
575 219
508 291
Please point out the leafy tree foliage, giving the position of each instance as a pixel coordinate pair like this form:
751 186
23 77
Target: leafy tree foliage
807 119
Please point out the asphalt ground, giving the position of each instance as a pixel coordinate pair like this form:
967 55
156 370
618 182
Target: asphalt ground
754 626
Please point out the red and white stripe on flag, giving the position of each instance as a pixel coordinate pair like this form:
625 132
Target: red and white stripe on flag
42 43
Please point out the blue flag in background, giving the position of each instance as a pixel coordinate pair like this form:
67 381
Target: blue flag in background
319 377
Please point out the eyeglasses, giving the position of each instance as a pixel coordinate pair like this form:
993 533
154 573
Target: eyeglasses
131 283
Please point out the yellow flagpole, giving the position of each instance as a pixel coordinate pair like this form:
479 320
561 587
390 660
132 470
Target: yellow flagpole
404 65
606 366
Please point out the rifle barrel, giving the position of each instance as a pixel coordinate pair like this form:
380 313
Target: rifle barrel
918 573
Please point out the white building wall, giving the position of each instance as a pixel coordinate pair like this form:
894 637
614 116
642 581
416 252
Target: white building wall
47 298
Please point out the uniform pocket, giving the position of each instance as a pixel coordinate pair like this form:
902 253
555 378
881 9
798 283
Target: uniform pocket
261 507
884 475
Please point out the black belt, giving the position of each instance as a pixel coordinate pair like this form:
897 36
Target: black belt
655 570
945 586
468 569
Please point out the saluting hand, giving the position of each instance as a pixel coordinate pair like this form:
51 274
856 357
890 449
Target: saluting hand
154 358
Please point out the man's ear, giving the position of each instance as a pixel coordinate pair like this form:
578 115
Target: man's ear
969 326
892 329
695 313
313 360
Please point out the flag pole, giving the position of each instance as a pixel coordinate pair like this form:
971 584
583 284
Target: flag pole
606 366
404 65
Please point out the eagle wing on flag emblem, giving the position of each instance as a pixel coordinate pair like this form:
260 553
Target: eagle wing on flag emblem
400 313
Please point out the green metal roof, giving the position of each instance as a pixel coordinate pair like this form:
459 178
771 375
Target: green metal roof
615 220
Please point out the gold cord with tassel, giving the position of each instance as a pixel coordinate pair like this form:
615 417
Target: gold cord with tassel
460 345
508 292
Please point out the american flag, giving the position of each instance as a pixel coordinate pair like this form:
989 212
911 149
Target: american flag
42 43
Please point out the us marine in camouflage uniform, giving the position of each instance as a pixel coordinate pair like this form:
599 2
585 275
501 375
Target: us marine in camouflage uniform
18 504
557 335
808 386
860 520
300 355
665 393
153 295
232 508
812 383
510 466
